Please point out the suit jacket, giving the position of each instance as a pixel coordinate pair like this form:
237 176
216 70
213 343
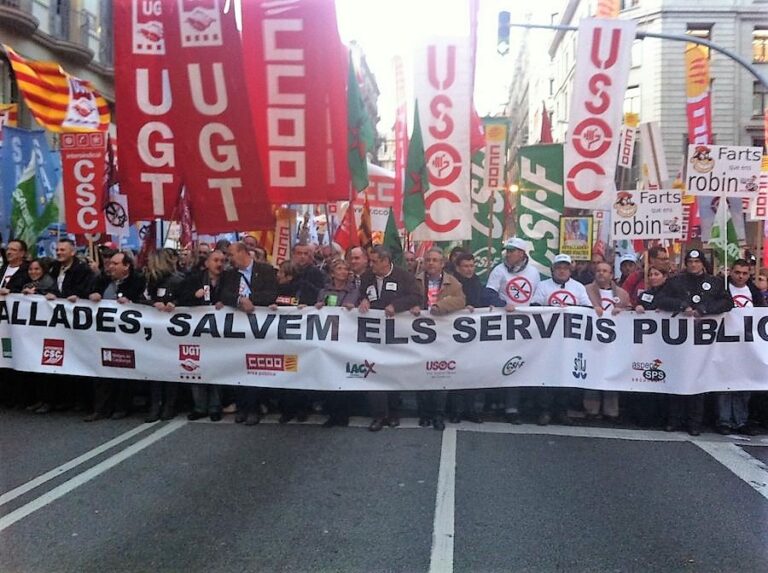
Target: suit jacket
194 282
78 280
450 298
398 289
131 288
263 285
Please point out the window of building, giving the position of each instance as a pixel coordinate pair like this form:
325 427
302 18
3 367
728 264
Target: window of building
760 45
551 86
626 4
632 100
703 31
759 99
758 142
637 53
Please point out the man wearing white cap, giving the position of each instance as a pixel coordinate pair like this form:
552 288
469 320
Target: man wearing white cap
561 290
627 266
515 281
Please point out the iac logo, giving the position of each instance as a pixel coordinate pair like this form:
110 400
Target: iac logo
357 370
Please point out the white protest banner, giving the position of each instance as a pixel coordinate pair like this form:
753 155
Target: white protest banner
443 90
337 349
731 171
603 58
758 206
647 214
627 140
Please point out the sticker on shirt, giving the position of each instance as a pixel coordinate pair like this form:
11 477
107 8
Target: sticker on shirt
390 286
519 290
244 289
742 301
608 303
161 291
371 293
561 298
696 298
646 297
706 286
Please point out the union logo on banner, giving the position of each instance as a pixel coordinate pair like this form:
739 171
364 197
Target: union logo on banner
200 23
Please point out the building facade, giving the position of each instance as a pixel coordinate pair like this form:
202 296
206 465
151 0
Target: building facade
77 34
656 87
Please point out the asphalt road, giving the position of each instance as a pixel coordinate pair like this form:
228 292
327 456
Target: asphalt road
179 496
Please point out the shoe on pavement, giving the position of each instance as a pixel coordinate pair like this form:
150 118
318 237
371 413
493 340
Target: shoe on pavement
455 419
329 423
393 421
33 407
510 417
694 430
376 425
94 417
544 419
240 417
723 430
119 415
192 416
284 418
424 422
216 417
231 409
438 424
252 419
747 430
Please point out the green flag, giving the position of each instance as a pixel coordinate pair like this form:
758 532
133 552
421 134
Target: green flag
730 243
392 239
360 133
26 224
416 178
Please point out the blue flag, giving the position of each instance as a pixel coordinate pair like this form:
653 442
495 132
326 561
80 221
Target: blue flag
18 147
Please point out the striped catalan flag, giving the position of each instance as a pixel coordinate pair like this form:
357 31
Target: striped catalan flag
58 101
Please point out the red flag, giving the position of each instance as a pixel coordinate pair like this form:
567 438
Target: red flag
546 125
212 120
147 138
296 74
148 235
82 167
183 214
346 235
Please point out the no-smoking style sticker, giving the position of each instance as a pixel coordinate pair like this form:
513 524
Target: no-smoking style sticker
561 298
519 289
742 301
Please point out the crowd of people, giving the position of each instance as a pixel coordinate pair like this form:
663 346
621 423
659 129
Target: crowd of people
237 275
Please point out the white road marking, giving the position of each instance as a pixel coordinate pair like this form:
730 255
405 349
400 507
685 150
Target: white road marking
441 559
82 478
744 466
55 472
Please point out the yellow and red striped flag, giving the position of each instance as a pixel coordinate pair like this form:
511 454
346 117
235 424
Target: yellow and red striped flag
58 101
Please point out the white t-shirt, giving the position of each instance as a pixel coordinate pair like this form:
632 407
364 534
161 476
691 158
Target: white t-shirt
742 297
9 272
550 293
516 288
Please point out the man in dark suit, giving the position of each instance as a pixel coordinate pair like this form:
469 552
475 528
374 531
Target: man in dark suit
73 276
13 274
245 286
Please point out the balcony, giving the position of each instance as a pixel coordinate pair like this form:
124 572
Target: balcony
17 15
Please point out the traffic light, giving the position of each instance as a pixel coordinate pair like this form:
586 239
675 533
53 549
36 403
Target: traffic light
503 44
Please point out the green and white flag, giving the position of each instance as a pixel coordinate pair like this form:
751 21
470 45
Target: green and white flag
728 242
26 223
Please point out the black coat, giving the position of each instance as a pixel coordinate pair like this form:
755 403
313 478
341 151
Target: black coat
670 297
309 282
398 289
78 280
165 289
704 292
131 288
263 285
19 278
194 282
477 294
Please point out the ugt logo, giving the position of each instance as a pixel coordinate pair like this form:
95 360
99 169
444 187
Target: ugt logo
355 370
580 367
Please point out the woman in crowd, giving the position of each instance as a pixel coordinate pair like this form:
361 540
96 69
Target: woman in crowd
340 292
163 289
40 281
